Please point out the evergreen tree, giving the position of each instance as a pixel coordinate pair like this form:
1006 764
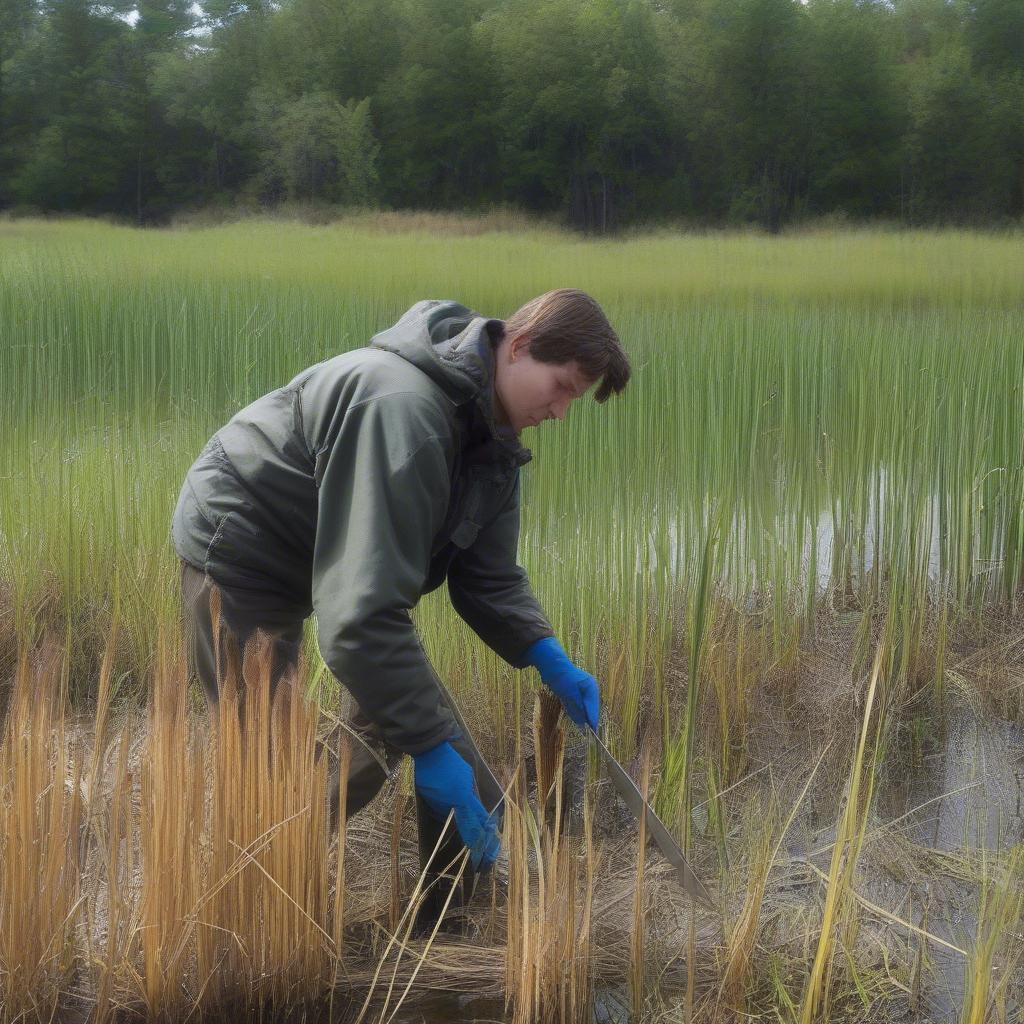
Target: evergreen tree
995 34
958 166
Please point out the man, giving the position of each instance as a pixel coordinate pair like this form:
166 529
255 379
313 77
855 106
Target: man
366 482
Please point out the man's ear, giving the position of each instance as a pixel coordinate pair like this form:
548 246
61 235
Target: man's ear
517 345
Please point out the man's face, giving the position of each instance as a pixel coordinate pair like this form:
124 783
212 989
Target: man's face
529 391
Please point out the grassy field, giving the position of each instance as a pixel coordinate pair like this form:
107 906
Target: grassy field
797 539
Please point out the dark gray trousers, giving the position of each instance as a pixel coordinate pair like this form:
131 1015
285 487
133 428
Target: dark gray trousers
242 613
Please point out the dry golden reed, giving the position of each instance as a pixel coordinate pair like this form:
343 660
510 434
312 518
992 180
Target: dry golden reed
40 821
550 894
265 915
236 900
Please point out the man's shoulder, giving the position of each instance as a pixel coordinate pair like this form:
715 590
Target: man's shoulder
376 382
368 373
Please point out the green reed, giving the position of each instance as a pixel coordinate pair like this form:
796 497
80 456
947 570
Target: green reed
850 401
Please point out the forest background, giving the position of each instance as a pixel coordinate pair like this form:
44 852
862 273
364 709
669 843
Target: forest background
598 114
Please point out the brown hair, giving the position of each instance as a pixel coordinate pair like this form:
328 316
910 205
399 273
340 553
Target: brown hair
568 324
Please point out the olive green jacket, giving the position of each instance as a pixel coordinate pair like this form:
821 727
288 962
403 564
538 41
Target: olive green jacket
358 487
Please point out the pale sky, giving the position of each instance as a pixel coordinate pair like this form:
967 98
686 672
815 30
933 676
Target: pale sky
133 16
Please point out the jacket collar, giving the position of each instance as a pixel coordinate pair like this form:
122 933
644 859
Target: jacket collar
473 352
455 347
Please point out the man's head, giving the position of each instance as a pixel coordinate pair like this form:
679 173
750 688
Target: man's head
553 350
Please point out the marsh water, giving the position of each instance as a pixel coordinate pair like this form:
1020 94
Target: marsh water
803 549
970 795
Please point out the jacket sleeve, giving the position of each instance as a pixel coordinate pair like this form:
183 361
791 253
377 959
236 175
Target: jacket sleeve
492 592
383 495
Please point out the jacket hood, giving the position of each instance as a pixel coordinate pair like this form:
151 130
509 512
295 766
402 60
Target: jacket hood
454 346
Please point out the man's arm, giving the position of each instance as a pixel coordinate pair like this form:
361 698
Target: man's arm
383 496
491 591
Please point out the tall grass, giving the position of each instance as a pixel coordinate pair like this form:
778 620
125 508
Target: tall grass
839 911
743 931
847 398
997 952
264 920
40 817
233 913
550 895
821 446
173 801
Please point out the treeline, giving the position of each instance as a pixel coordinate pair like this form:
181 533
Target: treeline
600 112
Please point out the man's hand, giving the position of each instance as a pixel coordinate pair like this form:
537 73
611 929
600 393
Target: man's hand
445 781
576 689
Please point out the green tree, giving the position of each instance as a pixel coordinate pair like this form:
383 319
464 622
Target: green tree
436 109
181 82
755 112
857 112
958 166
75 78
320 149
630 147
344 47
995 34
582 126
17 20
603 112
926 26
239 56
162 28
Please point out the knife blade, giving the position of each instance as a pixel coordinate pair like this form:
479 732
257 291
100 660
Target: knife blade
634 800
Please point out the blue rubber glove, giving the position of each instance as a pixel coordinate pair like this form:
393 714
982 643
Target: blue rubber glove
576 689
445 781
